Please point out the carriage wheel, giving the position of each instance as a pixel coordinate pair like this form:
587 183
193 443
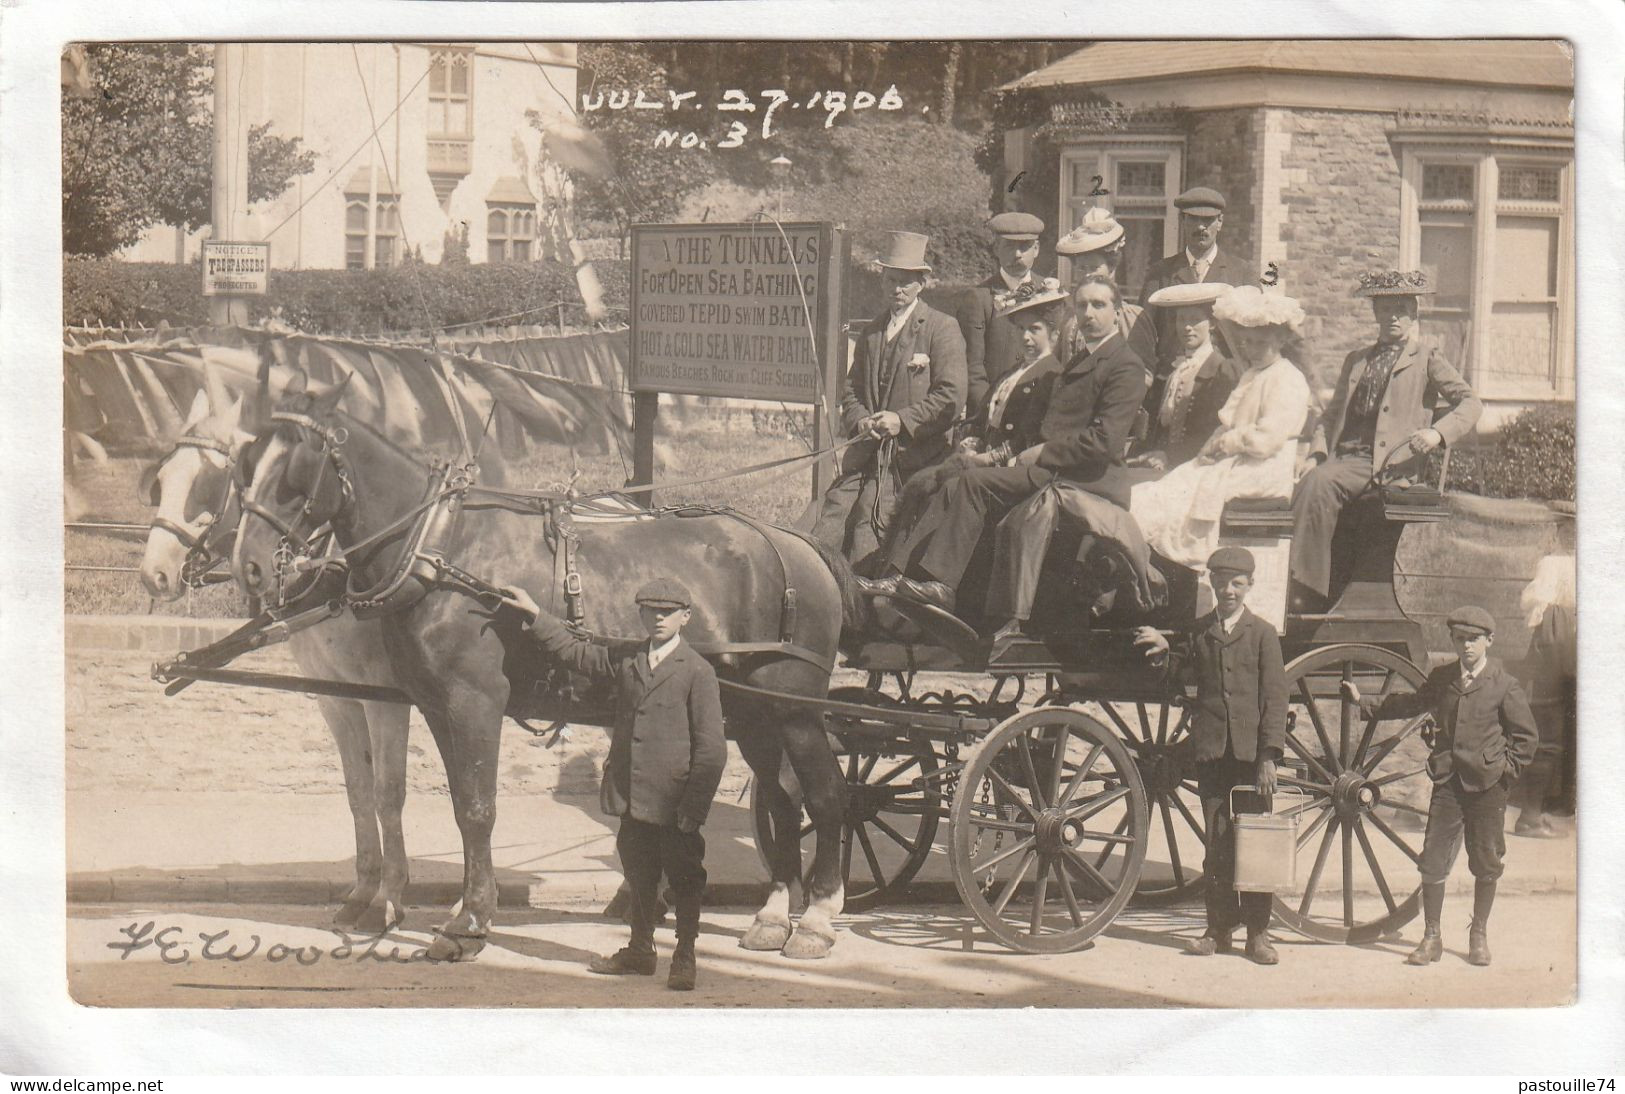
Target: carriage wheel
1368 792
890 823
1159 736
1049 830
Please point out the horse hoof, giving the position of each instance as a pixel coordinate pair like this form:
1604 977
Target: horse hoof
765 935
379 917
804 945
350 913
446 947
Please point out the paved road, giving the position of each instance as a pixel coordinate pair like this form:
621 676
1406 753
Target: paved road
913 957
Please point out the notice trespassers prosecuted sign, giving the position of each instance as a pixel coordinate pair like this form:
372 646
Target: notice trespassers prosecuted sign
235 269
730 309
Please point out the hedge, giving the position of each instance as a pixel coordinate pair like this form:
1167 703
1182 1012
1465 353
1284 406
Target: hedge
1532 456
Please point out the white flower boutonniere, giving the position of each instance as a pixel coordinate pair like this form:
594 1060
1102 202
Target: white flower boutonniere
919 361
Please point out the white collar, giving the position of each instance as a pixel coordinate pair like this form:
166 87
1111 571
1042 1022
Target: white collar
1208 256
895 321
1094 347
1014 285
659 653
1230 623
1469 675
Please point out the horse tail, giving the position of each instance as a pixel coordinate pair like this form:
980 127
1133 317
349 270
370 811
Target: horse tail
854 605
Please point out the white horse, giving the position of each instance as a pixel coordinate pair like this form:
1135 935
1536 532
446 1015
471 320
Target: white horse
192 489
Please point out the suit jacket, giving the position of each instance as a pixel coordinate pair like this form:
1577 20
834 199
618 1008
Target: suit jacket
1086 427
1215 380
1420 377
1225 269
1024 410
929 398
1241 689
992 346
1482 733
667 749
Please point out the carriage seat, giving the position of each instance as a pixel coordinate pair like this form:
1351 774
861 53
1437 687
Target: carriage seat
1256 517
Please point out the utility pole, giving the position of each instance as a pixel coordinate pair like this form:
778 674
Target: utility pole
229 196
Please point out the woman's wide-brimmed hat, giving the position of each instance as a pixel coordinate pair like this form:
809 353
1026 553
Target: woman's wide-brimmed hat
1251 306
1394 283
905 251
1032 295
1197 294
1098 231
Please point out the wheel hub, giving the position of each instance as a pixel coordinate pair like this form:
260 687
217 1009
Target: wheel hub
1056 831
1353 794
1160 768
864 802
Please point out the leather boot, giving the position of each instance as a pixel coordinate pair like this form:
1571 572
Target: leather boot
1260 950
680 977
1431 948
624 962
1212 941
1478 938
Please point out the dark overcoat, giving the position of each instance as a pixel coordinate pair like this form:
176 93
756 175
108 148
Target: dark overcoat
667 750
1241 689
1225 269
1086 427
1216 378
1482 733
993 346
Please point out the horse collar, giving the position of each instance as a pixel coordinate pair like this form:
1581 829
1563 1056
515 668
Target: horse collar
333 436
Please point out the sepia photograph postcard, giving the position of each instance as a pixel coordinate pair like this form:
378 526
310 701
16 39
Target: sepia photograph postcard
594 511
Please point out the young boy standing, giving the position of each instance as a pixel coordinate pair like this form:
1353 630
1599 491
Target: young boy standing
665 760
1483 736
1238 732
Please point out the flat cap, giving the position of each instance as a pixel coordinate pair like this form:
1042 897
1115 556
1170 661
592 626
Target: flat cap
1016 226
664 592
1200 201
1236 560
1470 617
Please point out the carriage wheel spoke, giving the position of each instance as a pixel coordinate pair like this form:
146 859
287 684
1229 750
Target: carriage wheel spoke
896 771
1392 743
1072 859
1405 807
1162 725
1173 842
1394 837
1314 826
1314 719
1396 776
1028 771
1117 720
868 767
1348 875
1063 737
1083 773
1070 897
852 761
874 860
806 829
1145 723
1115 837
1190 818
1040 891
1376 871
1003 785
1009 889
846 852
1095 804
1371 722
1344 721
1004 855
1294 745
897 837
1320 864
998 824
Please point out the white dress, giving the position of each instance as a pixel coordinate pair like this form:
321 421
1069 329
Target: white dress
1258 427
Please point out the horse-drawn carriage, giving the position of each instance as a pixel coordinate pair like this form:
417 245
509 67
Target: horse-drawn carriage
1065 780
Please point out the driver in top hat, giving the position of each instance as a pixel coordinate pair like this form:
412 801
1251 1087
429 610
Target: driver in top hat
993 344
900 399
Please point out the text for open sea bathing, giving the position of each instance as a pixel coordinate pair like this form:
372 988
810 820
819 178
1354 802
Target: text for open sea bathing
175 946
765 104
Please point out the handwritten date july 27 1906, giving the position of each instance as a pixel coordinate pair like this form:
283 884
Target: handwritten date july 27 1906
765 103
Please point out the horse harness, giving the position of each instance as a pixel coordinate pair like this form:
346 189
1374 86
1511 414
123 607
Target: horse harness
200 557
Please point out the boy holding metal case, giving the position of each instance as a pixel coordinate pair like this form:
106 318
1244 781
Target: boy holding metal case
1237 734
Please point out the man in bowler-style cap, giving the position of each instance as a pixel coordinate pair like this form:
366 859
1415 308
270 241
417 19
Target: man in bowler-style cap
1201 259
992 343
1237 734
665 762
1482 739
899 402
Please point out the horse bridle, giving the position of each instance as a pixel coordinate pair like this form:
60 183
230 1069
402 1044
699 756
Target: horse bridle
200 554
295 540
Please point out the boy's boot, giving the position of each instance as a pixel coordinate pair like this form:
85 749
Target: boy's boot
1260 950
1213 940
1478 939
681 975
1431 948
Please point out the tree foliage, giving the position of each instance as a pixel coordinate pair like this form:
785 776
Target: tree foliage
137 152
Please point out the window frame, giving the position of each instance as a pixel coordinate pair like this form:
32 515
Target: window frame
1102 158
508 238
446 55
374 234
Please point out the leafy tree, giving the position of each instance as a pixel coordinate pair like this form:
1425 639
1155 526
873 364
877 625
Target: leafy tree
137 152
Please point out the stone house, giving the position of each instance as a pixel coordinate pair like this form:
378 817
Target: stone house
1335 157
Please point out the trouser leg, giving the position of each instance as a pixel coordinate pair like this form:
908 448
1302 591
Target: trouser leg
1484 826
1019 545
963 508
638 845
841 504
1316 504
683 856
1442 840
1226 909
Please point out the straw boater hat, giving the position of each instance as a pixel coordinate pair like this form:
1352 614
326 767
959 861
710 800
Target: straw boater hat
905 251
1098 231
1394 283
1251 306
1046 294
1199 294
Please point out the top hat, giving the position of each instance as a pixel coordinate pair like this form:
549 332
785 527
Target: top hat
1097 231
664 592
1394 283
1022 227
905 251
1200 201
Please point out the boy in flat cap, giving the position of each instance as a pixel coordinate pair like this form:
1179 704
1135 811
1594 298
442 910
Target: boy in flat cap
1483 736
993 344
1237 734
665 762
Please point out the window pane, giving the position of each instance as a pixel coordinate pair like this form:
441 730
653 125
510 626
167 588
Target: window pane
521 250
1141 179
1525 258
522 224
457 118
1447 182
494 250
1530 183
355 217
459 75
1447 258
1520 345
1083 178
1143 245
497 223
384 254
355 252
389 218
437 74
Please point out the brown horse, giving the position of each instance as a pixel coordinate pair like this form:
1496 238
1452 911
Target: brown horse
464 662
195 522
